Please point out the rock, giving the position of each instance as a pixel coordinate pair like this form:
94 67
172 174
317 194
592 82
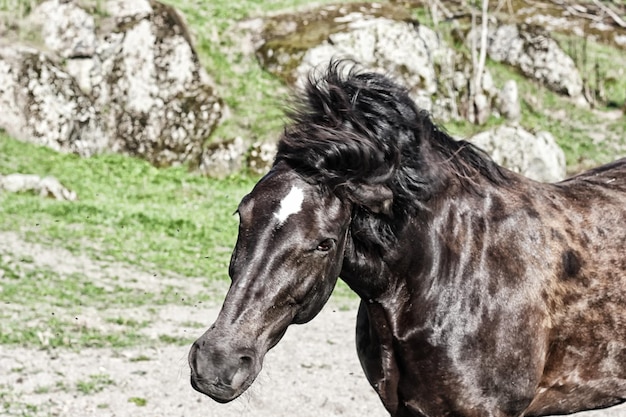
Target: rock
282 40
161 104
42 104
229 157
507 102
535 156
222 159
137 88
380 38
260 157
45 187
382 45
538 56
124 9
66 29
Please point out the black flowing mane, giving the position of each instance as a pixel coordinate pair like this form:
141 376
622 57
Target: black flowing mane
360 128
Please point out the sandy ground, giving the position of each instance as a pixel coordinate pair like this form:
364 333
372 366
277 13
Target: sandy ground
314 371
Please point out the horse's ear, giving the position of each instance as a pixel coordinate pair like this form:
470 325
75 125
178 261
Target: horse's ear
377 198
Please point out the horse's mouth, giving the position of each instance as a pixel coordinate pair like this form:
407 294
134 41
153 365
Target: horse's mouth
216 390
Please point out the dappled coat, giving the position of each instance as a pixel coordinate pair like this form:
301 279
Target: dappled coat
483 293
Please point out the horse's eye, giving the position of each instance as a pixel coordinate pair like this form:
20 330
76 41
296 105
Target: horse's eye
325 245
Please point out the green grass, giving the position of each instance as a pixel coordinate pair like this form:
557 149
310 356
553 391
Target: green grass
165 220
138 401
95 383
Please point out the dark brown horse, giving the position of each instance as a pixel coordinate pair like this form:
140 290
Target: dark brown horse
483 293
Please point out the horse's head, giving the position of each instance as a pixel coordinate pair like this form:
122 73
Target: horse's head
289 253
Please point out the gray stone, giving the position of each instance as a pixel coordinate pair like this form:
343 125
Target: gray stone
66 29
160 102
42 104
44 187
538 56
380 38
138 88
122 9
386 46
223 158
260 157
535 156
507 101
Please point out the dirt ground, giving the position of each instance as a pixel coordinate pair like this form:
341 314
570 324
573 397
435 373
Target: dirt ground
314 371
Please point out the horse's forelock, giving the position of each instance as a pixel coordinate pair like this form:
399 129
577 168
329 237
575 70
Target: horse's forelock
348 126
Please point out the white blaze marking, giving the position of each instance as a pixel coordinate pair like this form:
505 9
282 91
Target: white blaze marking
291 204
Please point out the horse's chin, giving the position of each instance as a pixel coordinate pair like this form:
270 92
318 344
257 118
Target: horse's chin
220 392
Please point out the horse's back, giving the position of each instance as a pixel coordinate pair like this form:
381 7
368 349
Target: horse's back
587 348
611 176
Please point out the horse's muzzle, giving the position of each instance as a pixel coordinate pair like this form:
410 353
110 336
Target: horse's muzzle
222 374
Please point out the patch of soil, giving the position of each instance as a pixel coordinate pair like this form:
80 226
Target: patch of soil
313 371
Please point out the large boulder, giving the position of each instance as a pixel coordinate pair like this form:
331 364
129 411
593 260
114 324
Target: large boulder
162 105
536 54
42 104
137 88
536 156
408 52
281 40
380 37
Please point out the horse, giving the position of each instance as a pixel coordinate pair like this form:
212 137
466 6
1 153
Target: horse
482 292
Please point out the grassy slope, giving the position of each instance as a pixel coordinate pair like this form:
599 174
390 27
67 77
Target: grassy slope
127 210
171 221
166 221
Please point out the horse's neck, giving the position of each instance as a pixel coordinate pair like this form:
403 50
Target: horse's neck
377 272
374 271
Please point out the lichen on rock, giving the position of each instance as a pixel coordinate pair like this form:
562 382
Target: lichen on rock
380 37
137 88
42 104
536 156
533 51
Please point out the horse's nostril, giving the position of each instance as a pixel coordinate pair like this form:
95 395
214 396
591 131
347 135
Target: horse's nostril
245 361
